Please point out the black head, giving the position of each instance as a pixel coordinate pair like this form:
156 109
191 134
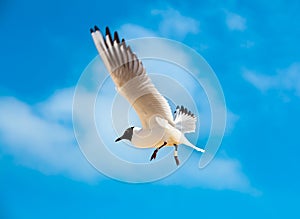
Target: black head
127 135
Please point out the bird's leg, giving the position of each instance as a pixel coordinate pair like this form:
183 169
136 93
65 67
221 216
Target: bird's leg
156 150
176 154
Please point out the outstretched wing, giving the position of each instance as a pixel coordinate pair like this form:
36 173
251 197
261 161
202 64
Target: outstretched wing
130 78
184 120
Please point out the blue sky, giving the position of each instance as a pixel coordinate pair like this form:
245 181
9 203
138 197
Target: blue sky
253 48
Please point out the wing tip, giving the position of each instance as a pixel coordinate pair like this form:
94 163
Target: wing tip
107 33
107 30
116 37
184 110
96 28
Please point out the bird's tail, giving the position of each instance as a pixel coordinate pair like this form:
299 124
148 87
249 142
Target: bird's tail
187 143
184 120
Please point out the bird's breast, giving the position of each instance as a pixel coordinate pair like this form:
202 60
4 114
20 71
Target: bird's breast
155 137
147 138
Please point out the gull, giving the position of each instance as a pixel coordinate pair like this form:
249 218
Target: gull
159 127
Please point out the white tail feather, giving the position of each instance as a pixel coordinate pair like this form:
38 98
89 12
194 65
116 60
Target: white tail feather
187 143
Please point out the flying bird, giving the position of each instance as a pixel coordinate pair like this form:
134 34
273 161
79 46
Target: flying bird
159 127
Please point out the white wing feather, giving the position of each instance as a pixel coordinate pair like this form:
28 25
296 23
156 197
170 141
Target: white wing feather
131 79
184 120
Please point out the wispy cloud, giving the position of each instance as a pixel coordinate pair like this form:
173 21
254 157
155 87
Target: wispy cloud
170 23
37 138
220 174
285 80
131 31
173 23
58 106
231 120
40 137
261 82
235 21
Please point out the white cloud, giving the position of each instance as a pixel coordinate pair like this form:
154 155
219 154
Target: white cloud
285 80
59 106
262 82
231 120
36 138
131 31
171 24
175 24
220 174
41 142
235 21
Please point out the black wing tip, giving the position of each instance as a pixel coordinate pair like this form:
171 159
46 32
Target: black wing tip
107 33
96 28
184 110
116 37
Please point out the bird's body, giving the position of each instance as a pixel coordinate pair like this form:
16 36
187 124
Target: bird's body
155 137
159 128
